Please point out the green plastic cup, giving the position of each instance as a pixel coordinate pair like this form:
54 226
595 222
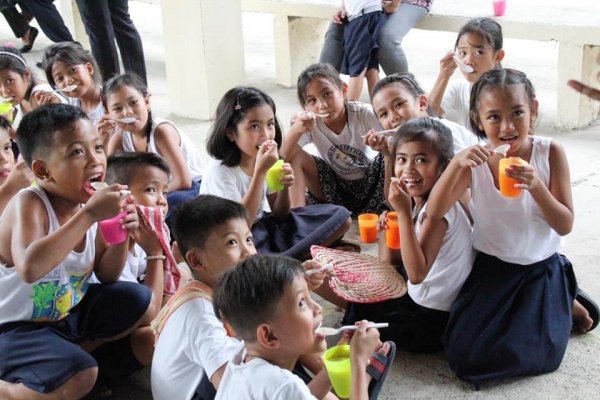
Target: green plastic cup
273 175
6 109
337 364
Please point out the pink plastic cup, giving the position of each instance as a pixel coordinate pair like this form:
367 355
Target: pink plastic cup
499 7
112 231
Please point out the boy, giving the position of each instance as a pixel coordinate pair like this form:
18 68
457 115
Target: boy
49 313
266 301
212 235
147 177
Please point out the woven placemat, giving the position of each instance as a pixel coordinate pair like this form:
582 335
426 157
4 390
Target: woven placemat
359 277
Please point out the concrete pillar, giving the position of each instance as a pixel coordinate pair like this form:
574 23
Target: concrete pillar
70 14
298 44
204 53
576 61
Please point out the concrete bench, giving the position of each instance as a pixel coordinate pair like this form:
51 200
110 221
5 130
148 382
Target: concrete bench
299 27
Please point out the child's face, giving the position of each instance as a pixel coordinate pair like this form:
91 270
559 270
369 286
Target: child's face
418 167
324 97
80 75
296 319
150 187
480 55
128 102
394 105
76 160
7 158
228 244
506 115
257 126
13 86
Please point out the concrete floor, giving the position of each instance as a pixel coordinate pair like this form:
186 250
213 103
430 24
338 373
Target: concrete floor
426 376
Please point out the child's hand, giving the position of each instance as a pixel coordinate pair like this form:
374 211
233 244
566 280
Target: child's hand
378 142
41 98
473 156
526 175
266 156
382 222
147 239
106 127
131 221
447 64
398 196
304 121
314 281
287 179
364 342
106 203
20 175
340 16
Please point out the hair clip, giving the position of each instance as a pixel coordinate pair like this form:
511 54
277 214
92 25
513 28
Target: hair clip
237 107
237 103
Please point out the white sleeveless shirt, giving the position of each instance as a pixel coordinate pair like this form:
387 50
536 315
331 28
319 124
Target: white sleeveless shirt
191 155
54 295
512 229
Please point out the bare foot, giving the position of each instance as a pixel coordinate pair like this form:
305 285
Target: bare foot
581 318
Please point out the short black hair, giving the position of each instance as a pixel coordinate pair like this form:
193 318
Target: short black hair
5 123
122 167
196 219
38 128
247 295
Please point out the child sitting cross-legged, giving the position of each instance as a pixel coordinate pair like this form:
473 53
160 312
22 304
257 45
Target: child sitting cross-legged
266 301
50 314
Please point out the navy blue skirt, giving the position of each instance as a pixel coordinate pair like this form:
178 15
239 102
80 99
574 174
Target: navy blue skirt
511 320
301 228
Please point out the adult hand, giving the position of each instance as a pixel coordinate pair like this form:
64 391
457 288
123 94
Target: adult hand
586 90
340 16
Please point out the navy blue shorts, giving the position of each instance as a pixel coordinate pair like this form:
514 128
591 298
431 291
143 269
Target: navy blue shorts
44 355
361 43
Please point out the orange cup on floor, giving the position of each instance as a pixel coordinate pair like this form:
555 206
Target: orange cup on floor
507 185
367 225
392 232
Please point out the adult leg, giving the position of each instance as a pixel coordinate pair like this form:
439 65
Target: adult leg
98 26
390 54
333 46
49 19
15 20
128 38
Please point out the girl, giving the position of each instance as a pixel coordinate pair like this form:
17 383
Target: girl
69 64
126 96
244 140
520 290
14 175
436 253
347 171
479 47
20 87
397 99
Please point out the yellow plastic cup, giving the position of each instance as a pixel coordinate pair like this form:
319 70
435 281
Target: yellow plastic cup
273 175
337 364
6 110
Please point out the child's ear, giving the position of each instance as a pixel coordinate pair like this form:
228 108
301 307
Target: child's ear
499 56
344 88
230 135
534 112
147 101
266 337
40 171
89 68
423 102
193 259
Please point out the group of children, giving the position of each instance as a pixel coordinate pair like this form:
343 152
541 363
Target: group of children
231 323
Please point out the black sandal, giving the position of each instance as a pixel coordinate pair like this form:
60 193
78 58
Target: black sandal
33 34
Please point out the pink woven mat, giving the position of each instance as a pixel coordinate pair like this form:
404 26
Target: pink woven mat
360 278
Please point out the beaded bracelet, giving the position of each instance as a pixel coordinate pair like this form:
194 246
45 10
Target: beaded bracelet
161 257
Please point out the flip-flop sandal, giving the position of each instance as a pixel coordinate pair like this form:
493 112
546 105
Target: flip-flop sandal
591 307
378 368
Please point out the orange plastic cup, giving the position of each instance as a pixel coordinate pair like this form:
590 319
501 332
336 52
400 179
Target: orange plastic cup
367 225
507 185
392 233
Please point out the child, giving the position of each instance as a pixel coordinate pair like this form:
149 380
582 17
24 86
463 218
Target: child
513 315
69 64
244 140
436 253
49 248
20 87
14 176
277 324
397 99
146 175
479 46
347 171
126 96
364 21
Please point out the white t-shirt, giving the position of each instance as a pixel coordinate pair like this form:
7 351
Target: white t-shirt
451 266
258 379
345 153
455 102
230 183
461 136
512 229
192 157
192 342
354 7
135 266
95 115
